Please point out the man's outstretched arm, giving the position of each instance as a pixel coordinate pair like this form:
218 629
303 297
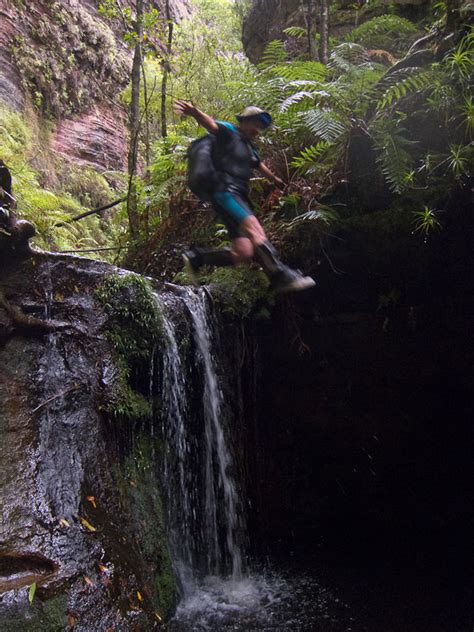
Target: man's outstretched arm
188 109
265 171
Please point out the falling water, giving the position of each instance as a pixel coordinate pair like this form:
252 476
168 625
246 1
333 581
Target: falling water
177 473
217 452
201 496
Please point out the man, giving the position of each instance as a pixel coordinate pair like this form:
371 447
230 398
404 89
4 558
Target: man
14 232
234 158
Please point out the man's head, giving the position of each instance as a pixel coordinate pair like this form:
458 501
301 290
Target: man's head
253 121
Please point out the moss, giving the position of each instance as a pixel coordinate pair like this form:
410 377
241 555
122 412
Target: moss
241 292
165 585
146 507
135 322
134 328
125 402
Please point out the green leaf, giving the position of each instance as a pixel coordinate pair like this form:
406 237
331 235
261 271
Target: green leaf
32 592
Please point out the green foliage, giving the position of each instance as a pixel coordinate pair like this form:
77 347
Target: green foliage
295 31
241 291
394 156
134 328
273 54
387 32
323 124
135 323
305 162
31 593
404 82
426 220
20 144
461 59
300 71
348 55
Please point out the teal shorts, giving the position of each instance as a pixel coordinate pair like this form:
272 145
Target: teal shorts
232 209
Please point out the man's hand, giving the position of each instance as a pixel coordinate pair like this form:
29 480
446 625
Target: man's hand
184 108
279 182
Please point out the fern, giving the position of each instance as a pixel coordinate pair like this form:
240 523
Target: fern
347 55
301 70
384 31
305 162
324 124
394 158
273 54
295 98
295 31
403 83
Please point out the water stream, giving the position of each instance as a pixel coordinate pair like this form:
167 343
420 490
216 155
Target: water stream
201 495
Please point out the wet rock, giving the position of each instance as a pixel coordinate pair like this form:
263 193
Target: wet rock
66 519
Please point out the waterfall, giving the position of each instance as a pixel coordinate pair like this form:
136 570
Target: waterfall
201 494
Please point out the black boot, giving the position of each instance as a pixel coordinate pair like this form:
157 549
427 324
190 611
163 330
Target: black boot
282 278
194 258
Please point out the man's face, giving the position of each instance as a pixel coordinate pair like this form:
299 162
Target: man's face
251 128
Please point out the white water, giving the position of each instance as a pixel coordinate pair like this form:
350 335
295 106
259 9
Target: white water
217 452
202 501
181 510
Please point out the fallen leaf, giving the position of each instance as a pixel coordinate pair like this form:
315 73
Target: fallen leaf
91 499
139 595
71 621
88 581
133 483
76 289
85 523
103 569
64 523
158 617
59 297
32 592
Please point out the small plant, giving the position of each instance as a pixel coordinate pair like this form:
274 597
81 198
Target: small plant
426 220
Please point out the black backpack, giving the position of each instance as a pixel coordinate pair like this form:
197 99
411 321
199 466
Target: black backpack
202 174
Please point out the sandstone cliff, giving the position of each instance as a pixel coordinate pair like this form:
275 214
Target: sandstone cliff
68 61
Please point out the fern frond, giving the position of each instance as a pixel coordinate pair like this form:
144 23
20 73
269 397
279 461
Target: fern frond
301 70
404 82
309 156
295 31
295 98
347 55
394 158
322 215
273 54
384 31
324 124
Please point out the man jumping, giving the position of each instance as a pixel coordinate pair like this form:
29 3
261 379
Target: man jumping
234 158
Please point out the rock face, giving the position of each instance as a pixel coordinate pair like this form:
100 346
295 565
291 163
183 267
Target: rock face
96 138
73 493
72 65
